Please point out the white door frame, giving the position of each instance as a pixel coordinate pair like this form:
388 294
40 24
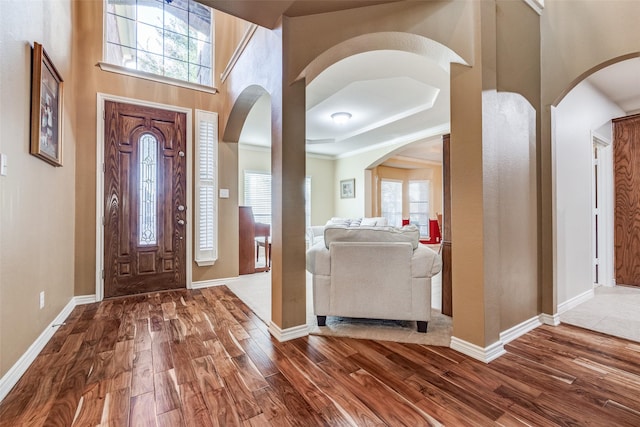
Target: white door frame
101 98
606 272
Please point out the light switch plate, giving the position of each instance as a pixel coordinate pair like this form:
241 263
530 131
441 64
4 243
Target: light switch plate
3 164
224 193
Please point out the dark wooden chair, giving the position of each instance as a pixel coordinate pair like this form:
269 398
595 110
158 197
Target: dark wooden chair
252 235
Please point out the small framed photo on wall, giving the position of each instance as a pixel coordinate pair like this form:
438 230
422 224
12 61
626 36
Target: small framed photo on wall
46 108
348 188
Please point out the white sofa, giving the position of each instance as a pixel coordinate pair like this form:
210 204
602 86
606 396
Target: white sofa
372 272
315 233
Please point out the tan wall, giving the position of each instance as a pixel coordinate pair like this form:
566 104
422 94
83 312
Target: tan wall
578 36
448 23
493 175
323 189
517 118
90 79
37 201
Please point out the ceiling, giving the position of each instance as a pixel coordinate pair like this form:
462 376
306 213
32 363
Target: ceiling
266 13
620 83
392 96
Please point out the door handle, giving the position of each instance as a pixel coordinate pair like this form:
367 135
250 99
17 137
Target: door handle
181 221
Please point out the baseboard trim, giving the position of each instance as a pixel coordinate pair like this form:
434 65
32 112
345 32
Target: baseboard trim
576 301
84 299
550 319
289 333
520 329
486 354
213 282
13 375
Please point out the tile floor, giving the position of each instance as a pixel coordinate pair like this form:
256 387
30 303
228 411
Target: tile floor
613 311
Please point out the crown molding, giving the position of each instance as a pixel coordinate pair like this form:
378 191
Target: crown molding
536 5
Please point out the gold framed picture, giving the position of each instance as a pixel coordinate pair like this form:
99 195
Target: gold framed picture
46 108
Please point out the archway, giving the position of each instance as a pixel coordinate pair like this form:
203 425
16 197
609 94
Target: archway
582 177
366 70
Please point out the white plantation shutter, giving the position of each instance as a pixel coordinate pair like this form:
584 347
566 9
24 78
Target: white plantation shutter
206 205
257 194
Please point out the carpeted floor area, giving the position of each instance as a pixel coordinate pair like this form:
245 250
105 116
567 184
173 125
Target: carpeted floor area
613 311
255 291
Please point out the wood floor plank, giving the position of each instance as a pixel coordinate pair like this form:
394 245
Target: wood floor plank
142 375
245 404
202 357
393 408
167 394
274 412
205 371
477 402
294 402
88 412
222 408
194 408
116 408
171 419
142 411
250 375
264 364
352 409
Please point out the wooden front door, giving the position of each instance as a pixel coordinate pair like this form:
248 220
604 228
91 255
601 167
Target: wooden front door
145 200
626 151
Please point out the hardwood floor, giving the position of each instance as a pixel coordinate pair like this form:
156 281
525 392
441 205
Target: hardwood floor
202 358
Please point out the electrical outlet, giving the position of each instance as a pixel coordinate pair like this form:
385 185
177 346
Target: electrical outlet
42 299
3 164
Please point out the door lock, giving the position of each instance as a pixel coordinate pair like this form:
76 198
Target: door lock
181 221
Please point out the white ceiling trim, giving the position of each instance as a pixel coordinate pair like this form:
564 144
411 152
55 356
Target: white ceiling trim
536 5
412 160
401 140
246 38
263 149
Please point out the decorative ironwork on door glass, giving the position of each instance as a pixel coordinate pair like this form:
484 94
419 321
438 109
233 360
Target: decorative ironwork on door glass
148 167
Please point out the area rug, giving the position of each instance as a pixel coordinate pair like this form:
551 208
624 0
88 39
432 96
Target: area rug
612 311
255 291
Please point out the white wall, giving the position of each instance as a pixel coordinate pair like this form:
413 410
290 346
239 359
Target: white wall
320 170
582 111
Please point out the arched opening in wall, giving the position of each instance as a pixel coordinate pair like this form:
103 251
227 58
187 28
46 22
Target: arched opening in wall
250 127
594 226
386 153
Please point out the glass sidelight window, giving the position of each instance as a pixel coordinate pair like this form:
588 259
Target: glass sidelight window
148 186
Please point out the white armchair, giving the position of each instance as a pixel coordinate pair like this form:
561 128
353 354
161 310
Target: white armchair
379 273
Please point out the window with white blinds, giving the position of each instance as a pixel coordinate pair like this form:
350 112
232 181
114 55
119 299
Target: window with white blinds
419 205
391 196
257 194
206 203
